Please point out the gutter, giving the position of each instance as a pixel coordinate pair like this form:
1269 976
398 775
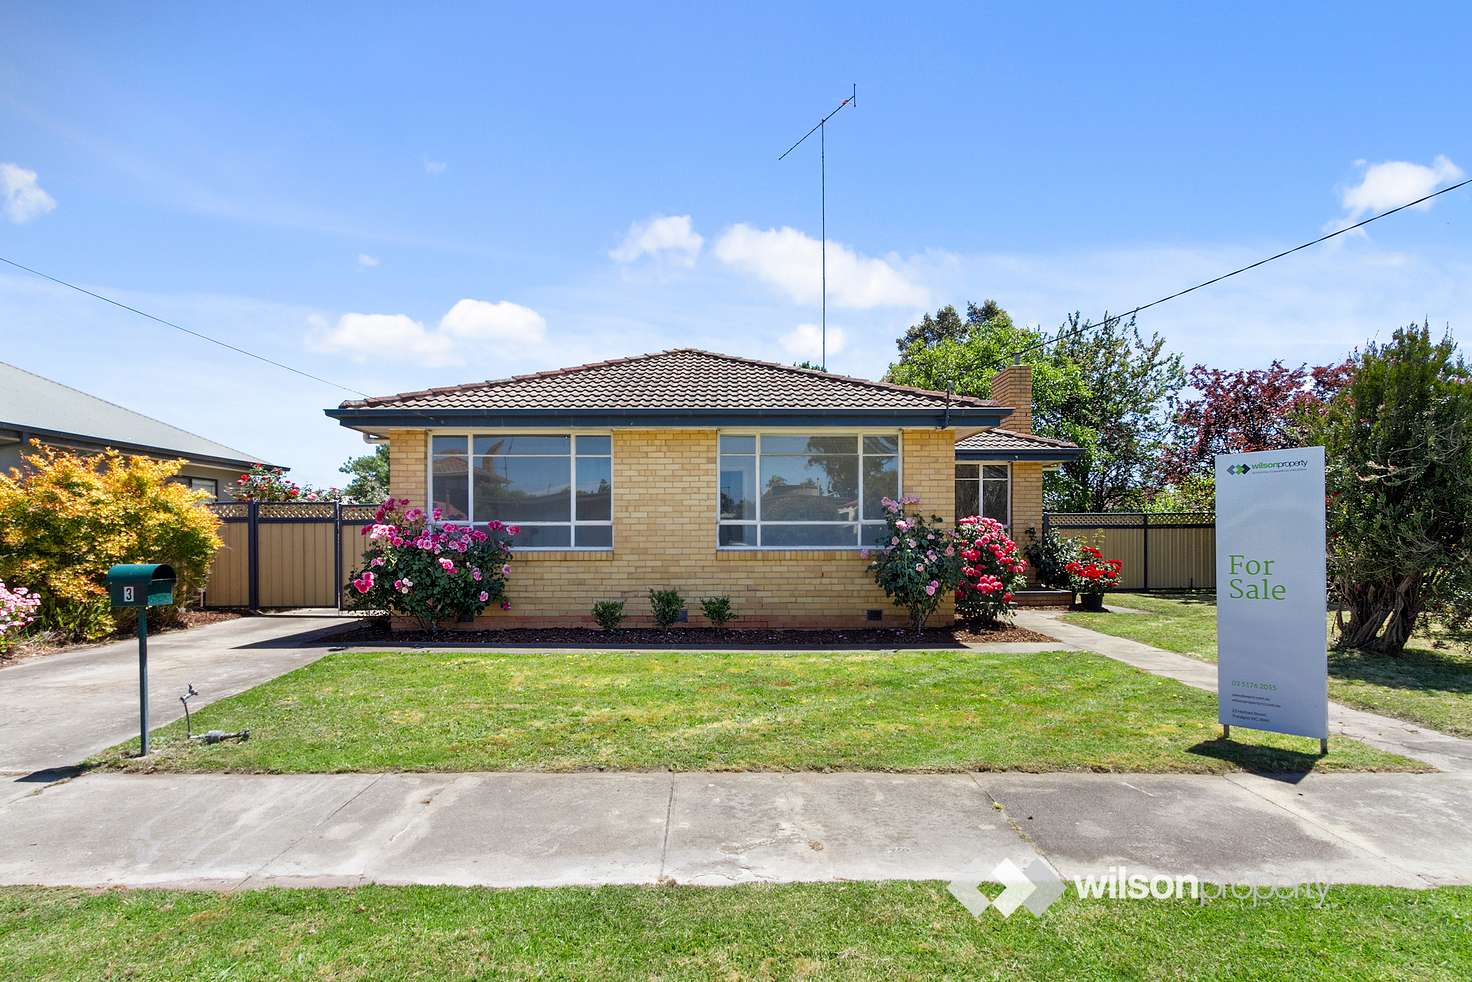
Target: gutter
82 441
982 416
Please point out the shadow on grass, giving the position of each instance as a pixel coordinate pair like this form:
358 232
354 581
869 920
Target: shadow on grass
1418 669
1291 766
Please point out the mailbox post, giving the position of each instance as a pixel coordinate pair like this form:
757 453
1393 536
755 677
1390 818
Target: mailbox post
140 586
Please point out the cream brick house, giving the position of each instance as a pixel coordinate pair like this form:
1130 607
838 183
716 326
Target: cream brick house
708 473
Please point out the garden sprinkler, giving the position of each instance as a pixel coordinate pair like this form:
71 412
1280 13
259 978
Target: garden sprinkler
210 736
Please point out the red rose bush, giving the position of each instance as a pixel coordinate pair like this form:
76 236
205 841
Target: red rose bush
992 571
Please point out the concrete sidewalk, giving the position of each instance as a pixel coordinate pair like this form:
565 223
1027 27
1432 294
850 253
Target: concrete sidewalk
526 829
56 710
1441 750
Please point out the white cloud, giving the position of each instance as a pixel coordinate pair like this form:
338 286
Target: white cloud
667 234
366 261
1394 182
434 168
788 260
468 323
805 341
366 335
481 320
23 196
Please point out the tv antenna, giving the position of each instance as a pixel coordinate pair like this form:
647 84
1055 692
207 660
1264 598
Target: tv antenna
822 130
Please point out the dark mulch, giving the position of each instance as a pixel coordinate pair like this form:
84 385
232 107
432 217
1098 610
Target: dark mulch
377 632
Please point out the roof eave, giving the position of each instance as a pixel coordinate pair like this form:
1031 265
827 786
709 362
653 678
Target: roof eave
232 463
660 418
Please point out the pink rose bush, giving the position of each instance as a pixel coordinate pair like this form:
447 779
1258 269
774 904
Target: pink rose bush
992 571
916 562
17 611
435 572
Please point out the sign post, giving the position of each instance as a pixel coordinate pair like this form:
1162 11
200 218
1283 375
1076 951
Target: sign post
1272 611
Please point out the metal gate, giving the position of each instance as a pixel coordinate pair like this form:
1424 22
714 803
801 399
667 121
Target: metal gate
285 554
1161 551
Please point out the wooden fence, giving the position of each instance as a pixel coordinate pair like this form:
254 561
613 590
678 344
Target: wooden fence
288 554
1162 551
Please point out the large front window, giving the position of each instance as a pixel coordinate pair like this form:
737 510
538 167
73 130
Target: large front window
805 491
557 487
985 490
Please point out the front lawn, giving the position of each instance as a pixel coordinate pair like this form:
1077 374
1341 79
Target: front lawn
1432 686
752 711
842 931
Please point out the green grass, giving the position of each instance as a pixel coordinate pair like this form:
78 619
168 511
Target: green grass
886 711
1432 686
817 931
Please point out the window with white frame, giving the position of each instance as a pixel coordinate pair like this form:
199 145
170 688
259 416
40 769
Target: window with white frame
805 491
985 490
557 487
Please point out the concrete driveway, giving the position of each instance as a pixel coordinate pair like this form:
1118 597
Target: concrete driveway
57 710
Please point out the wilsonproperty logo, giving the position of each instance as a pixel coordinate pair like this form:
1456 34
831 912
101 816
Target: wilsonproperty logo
1269 467
1034 887
1037 885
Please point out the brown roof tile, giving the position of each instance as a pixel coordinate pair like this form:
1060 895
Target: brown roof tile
1008 440
683 378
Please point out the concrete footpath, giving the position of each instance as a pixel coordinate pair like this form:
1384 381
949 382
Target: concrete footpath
1441 750
56 710
246 831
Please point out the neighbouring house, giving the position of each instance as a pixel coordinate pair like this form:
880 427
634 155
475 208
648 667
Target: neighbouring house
708 473
36 408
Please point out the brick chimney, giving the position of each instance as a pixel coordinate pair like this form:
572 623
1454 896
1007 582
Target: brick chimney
1012 386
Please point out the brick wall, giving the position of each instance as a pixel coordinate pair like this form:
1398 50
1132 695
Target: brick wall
1027 500
1012 386
664 529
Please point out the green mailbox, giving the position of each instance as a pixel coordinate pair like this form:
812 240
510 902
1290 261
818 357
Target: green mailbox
141 585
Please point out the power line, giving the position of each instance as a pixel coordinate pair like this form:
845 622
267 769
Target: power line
1217 279
180 327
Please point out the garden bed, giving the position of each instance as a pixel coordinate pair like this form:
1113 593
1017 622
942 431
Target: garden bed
377 632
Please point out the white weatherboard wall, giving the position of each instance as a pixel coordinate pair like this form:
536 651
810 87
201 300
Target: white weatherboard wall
1272 631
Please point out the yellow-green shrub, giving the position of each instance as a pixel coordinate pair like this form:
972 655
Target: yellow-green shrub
66 518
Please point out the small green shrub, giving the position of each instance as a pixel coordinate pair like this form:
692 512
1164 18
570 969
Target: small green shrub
1051 555
718 610
667 605
608 613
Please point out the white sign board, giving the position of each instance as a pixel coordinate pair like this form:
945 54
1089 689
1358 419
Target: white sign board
1271 622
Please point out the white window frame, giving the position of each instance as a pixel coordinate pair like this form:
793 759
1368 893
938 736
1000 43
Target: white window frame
572 522
757 522
980 484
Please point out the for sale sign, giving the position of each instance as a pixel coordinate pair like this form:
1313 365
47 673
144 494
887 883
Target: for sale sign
1272 670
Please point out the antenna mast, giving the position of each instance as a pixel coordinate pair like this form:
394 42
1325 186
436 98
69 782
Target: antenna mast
822 130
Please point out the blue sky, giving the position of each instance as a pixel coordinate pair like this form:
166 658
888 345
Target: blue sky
396 198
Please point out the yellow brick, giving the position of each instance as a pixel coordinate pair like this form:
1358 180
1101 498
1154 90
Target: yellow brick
665 534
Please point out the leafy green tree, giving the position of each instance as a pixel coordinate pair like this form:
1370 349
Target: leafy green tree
1130 381
1397 442
369 473
1105 388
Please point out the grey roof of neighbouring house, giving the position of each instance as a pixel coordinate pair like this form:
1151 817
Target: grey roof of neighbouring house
1000 444
33 404
665 386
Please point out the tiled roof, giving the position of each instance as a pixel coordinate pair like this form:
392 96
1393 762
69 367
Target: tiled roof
1009 441
684 378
